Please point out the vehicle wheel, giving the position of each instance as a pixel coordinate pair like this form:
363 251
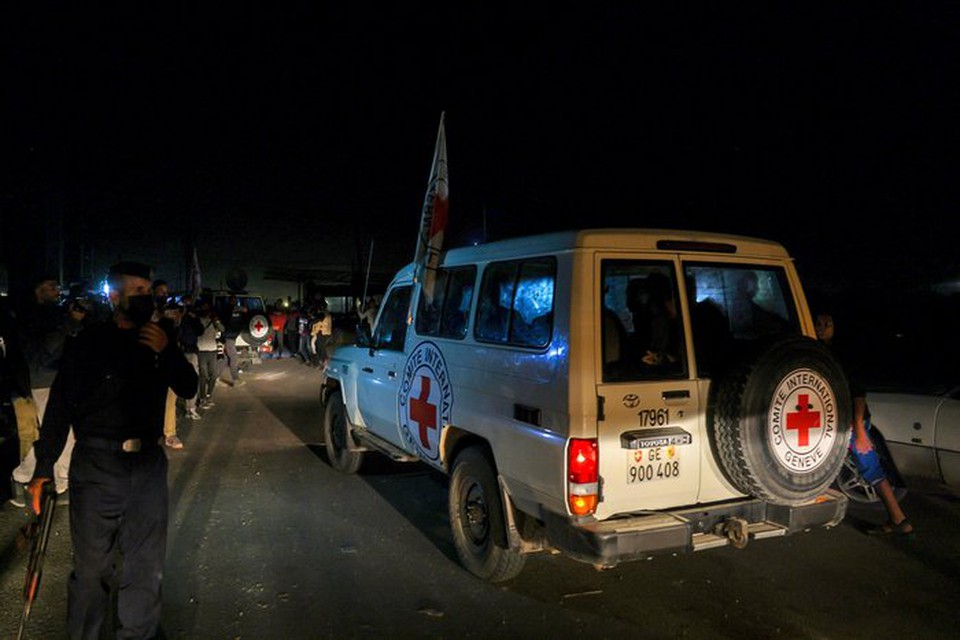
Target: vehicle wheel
851 483
780 421
335 434
476 519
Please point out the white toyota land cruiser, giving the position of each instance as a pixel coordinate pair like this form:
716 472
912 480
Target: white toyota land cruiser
611 394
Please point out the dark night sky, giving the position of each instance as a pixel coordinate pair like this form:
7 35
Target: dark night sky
289 138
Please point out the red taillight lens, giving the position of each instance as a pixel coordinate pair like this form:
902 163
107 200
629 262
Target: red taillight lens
582 461
583 474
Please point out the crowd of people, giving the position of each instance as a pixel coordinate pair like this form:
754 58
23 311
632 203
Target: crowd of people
307 332
37 329
34 335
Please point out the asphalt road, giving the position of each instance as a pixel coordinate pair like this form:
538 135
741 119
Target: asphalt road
267 541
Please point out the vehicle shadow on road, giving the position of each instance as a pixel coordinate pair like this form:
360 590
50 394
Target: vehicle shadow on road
291 412
416 492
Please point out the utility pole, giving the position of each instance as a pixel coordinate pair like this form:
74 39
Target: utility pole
366 282
60 252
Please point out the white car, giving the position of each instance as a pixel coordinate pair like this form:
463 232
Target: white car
919 435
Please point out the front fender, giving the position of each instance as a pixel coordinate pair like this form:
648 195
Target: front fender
343 372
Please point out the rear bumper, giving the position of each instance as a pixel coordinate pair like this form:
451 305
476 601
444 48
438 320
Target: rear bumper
613 541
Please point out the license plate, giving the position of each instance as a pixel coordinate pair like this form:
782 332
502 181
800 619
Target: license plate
654 464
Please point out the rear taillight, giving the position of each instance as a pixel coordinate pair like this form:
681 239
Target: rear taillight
583 474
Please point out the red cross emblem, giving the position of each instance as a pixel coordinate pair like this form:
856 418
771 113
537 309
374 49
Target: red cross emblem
422 412
259 326
803 420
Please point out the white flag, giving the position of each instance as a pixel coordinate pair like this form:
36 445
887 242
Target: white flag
433 218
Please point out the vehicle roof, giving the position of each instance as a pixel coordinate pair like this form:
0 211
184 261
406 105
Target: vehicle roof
608 239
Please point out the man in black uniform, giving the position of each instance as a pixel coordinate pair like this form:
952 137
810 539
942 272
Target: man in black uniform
112 386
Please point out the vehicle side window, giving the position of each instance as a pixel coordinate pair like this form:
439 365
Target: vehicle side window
391 330
446 315
731 304
516 303
641 327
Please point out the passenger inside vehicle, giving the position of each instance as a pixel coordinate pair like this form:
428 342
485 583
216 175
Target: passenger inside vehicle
660 315
641 328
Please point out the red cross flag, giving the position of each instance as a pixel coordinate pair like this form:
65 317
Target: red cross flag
433 218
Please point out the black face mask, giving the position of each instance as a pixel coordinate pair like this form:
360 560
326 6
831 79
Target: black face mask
139 309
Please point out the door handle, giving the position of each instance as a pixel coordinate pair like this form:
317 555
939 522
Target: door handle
391 374
675 395
367 369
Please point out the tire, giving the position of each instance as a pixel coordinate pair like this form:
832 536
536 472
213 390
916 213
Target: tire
258 330
476 519
769 445
335 433
851 483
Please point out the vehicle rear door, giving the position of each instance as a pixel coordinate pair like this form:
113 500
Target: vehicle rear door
649 439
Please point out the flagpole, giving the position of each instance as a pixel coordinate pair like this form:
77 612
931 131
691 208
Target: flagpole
366 281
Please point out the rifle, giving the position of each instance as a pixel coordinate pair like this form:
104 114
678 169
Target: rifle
37 534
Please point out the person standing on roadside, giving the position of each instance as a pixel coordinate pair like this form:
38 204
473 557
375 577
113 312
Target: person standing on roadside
14 386
278 322
171 318
188 333
861 446
45 327
210 331
233 323
112 386
291 330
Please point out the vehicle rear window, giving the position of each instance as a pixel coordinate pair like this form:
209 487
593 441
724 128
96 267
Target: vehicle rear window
735 304
641 326
253 304
516 302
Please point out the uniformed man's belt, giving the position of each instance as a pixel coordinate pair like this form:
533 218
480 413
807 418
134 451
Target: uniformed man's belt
133 445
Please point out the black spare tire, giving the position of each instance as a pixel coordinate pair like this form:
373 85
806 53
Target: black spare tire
257 331
780 421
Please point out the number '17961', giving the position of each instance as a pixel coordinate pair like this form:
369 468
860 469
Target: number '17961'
654 417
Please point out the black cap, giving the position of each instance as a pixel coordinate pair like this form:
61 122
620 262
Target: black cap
137 269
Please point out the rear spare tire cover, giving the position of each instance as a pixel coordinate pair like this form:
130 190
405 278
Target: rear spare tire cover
780 421
258 330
